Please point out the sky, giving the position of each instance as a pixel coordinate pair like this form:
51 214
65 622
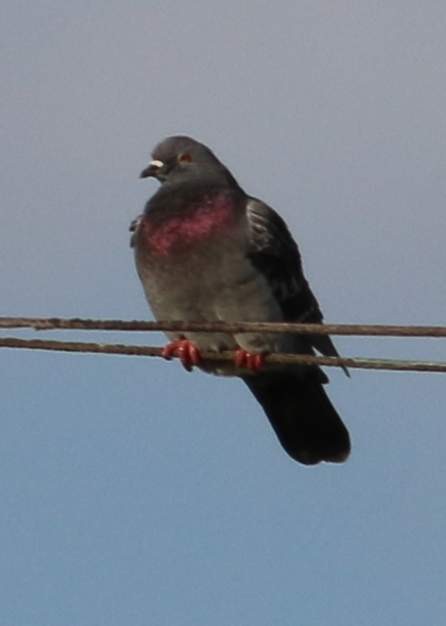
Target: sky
132 492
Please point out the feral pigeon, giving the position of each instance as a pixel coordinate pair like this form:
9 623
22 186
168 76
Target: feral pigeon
207 251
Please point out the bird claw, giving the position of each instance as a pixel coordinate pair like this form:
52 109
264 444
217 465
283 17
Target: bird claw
185 350
249 360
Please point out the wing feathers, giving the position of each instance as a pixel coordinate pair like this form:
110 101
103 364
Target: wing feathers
274 252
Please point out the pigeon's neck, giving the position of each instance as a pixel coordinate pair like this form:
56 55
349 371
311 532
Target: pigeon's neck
210 175
175 223
186 197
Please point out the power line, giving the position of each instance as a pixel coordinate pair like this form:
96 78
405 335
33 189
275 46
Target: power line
281 358
375 330
371 330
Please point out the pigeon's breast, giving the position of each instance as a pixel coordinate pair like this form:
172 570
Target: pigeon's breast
174 232
181 256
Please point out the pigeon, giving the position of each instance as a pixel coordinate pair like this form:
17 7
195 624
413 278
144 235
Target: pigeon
207 251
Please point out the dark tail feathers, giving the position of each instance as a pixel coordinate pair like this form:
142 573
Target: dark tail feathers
303 417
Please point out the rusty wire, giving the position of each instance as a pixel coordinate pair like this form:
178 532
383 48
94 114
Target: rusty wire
375 330
279 358
230 327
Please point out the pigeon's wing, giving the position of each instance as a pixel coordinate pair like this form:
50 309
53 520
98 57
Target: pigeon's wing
274 252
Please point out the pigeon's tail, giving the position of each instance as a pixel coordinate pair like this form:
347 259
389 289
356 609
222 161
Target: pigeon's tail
303 417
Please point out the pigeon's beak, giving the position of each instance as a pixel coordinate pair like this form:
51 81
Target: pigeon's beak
153 169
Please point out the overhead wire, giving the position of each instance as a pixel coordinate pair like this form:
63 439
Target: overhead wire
375 330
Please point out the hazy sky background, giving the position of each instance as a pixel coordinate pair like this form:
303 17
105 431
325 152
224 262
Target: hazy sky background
132 492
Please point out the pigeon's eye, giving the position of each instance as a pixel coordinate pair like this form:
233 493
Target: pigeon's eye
184 157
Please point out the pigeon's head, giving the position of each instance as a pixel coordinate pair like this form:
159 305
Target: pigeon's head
181 159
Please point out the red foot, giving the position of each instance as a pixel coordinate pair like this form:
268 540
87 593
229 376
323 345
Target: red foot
249 360
185 350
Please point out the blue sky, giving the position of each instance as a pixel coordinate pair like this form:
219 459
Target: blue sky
133 492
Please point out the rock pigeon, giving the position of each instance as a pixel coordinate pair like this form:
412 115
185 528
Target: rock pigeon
205 250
